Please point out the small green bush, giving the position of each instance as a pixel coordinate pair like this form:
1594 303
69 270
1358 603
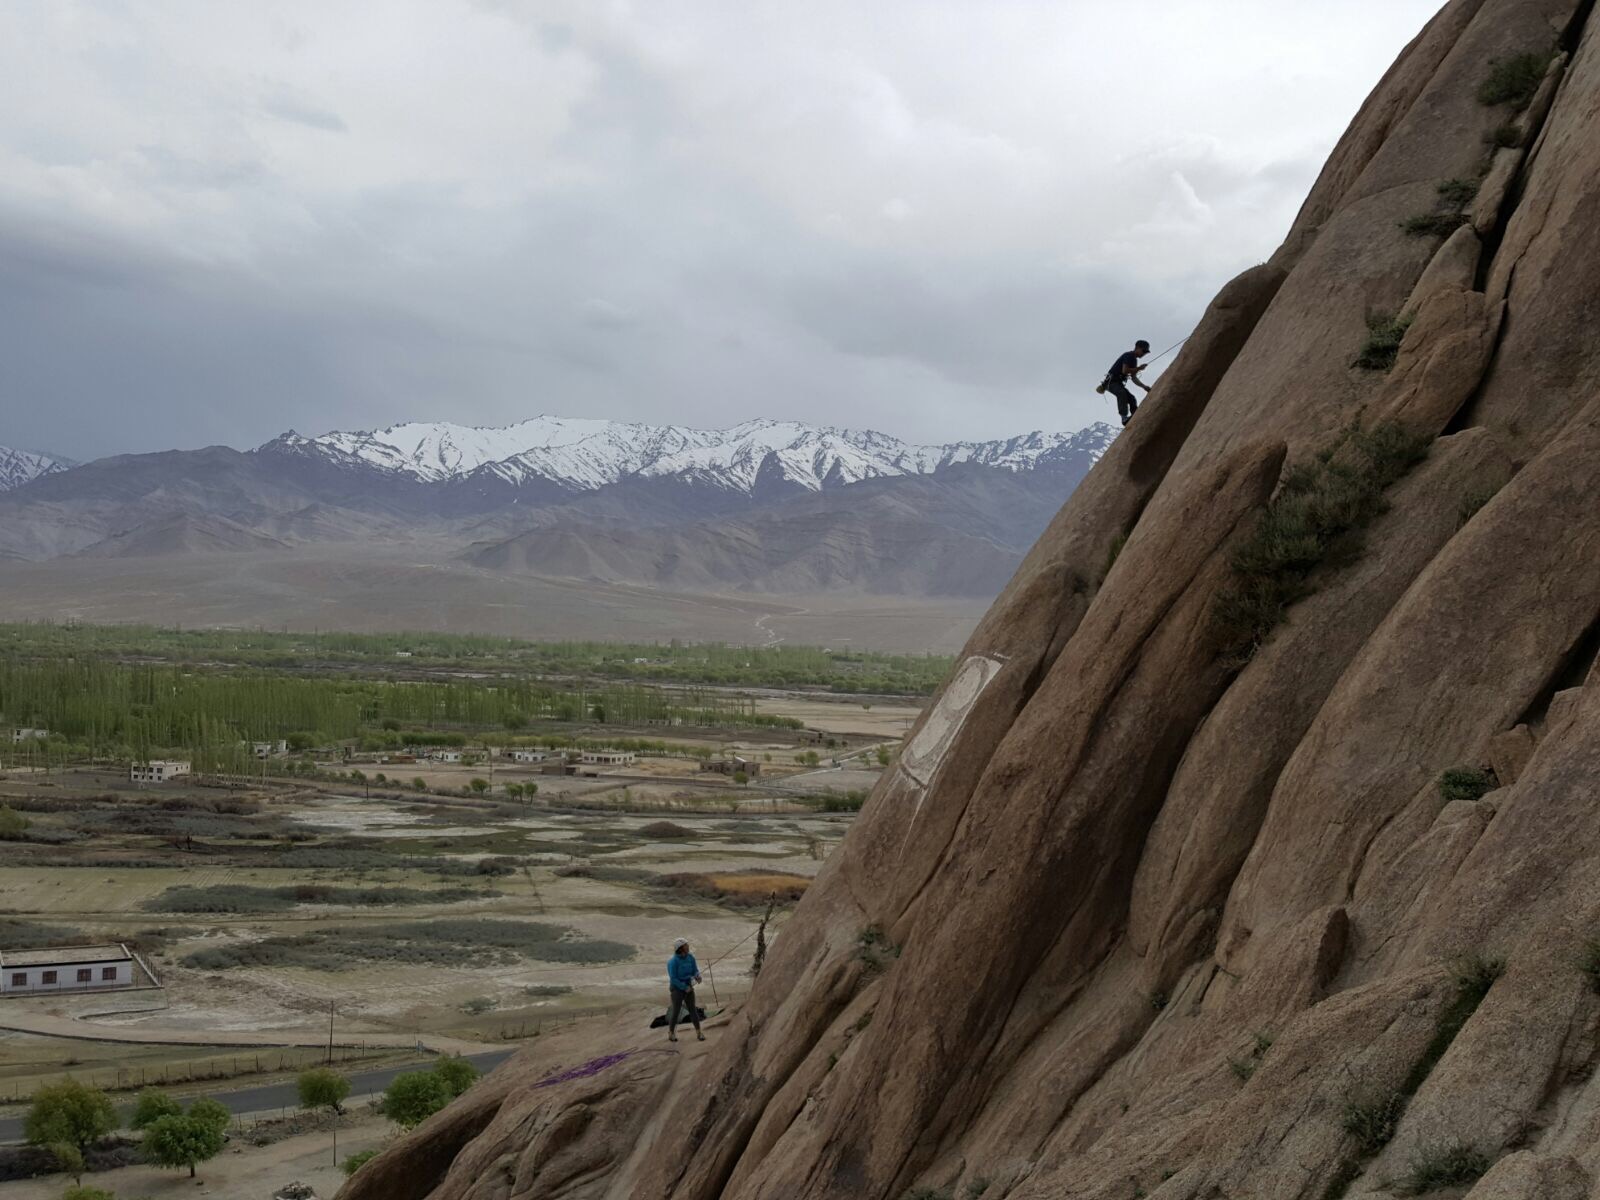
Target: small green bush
1473 977
357 1160
846 802
458 1074
12 824
1513 80
84 1192
1382 347
1372 1124
1504 137
1444 1168
1439 225
1314 520
413 1097
1458 193
546 989
322 1087
1465 783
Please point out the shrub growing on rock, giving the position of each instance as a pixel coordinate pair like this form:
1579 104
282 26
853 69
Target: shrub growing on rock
1447 1167
1384 335
1315 520
1513 80
1465 783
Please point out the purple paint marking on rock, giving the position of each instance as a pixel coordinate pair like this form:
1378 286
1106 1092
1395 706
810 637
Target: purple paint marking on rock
593 1067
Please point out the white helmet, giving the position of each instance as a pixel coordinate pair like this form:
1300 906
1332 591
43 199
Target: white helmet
680 943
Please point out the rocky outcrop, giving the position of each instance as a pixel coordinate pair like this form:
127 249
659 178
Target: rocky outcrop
1309 920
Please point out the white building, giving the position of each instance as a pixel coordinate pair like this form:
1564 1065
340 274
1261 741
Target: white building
529 756
28 735
609 758
157 770
65 969
268 749
447 756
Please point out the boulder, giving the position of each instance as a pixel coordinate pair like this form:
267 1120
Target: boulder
1510 751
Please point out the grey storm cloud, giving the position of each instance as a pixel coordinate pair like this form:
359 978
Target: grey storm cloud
926 216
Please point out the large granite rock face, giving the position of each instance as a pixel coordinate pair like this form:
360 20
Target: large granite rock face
1176 925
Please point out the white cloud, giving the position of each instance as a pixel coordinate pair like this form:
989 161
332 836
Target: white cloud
931 216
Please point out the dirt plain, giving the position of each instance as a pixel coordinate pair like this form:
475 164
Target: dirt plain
332 587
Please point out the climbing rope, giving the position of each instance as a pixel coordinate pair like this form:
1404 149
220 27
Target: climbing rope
1167 351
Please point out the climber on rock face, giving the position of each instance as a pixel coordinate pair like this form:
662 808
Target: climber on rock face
682 974
1123 372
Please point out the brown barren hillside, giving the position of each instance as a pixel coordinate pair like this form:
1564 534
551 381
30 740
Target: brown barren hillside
1253 848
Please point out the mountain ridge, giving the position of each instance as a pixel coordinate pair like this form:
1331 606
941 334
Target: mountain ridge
19 467
584 454
763 506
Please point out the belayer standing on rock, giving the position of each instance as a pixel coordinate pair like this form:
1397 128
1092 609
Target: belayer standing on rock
682 974
1123 372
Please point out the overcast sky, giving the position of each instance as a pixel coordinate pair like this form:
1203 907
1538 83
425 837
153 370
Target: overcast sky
938 218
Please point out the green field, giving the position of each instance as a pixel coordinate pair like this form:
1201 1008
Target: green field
674 662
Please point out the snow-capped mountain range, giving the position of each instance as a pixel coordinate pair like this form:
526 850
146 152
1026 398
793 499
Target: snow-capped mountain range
18 467
581 454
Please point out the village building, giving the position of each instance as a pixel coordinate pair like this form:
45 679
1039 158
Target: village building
529 756
446 756
732 766
558 766
158 770
608 758
268 749
28 735
67 969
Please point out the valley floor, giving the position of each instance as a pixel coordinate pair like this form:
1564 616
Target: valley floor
382 589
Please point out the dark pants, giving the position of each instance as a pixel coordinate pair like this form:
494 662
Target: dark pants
682 1001
1126 404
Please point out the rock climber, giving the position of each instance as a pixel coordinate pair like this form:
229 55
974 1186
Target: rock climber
1123 372
682 974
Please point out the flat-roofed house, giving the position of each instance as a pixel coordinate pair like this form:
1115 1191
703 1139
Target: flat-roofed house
158 770
529 756
609 758
66 969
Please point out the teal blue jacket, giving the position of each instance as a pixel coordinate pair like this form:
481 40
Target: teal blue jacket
681 970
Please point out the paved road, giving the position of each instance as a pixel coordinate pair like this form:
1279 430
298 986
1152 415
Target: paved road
30 1021
284 1095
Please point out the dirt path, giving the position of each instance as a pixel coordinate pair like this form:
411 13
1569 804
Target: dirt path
69 1027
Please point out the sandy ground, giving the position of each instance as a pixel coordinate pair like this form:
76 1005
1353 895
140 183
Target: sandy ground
877 719
351 587
399 1003
238 1173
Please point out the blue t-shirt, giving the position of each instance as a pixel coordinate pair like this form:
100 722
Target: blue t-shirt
681 970
1126 364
